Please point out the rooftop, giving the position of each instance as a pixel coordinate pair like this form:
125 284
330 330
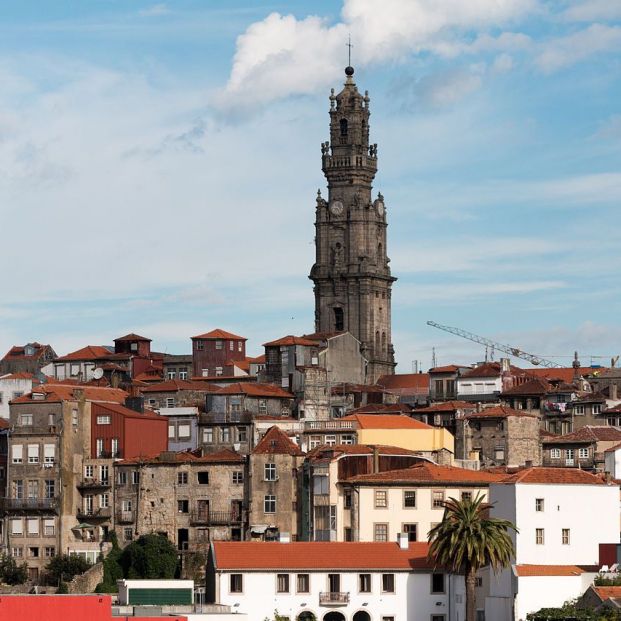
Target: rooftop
385 421
176 385
334 451
553 476
588 433
499 411
319 555
528 571
446 406
90 352
490 369
132 337
55 393
255 390
277 442
291 340
417 381
224 456
219 334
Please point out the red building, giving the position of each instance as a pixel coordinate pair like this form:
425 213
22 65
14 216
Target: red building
139 349
214 351
117 431
65 608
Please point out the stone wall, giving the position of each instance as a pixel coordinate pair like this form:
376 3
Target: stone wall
86 582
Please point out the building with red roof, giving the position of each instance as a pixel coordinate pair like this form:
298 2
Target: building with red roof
214 352
29 358
332 581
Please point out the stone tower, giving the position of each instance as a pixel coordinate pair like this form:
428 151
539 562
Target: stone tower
351 272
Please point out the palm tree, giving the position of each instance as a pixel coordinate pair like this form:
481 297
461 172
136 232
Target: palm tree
467 539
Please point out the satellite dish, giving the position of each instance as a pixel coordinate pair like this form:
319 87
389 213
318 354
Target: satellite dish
98 373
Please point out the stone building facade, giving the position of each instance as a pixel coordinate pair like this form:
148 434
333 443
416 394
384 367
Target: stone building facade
275 483
498 436
351 274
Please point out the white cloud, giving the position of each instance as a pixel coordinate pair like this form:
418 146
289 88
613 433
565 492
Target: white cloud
610 129
567 50
593 10
156 10
282 55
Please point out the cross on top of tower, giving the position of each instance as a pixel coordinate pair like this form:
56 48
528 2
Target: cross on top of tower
349 70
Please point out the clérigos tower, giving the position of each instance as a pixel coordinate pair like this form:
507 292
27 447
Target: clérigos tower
351 273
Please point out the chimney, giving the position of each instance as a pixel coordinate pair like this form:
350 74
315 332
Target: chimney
403 541
375 460
505 365
284 538
528 463
135 403
613 391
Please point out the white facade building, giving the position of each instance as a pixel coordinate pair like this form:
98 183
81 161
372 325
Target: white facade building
12 386
333 581
562 515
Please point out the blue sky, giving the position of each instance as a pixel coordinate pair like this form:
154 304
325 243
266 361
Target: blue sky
159 162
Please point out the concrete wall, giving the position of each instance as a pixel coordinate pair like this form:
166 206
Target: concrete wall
9 389
424 440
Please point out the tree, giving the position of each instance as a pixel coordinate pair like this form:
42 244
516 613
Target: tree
65 566
467 540
569 610
150 556
11 572
112 570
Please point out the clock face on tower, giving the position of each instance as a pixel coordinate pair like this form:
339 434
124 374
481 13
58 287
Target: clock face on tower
336 207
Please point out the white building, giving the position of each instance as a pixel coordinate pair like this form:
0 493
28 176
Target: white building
612 461
333 581
12 386
562 515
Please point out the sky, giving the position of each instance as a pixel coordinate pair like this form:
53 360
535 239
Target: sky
159 163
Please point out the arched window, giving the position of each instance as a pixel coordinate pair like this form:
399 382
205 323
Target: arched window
380 250
343 124
384 342
339 322
377 342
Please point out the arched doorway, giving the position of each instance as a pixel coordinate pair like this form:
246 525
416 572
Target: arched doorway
334 615
362 615
307 615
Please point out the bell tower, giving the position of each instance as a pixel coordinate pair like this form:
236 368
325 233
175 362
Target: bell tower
351 273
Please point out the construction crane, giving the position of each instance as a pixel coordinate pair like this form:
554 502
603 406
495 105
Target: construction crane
513 351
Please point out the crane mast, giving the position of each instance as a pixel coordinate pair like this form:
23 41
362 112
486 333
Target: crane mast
512 351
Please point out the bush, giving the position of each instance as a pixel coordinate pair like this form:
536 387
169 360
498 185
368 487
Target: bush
112 568
65 567
63 589
603 581
11 572
150 556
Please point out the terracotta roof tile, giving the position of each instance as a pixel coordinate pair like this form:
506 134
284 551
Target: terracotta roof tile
176 385
132 337
255 390
615 410
17 376
564 374
317 555
219 334
127 412
446 406
499 411
276 442
527 571
90 352
490 369
534 386
382 408
426 472
606 592
291 340
589 434
69 392
4 424
17 351
386 421
186 457
553 476
449 368
419 381
326 451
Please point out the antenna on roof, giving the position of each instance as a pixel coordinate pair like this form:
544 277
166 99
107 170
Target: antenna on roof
98 373
434 361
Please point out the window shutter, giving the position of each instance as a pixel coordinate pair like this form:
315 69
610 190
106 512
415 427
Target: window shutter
33 450
49 451
17 451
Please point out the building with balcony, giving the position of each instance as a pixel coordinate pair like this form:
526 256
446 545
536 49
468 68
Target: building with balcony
487 381
444 414
331 581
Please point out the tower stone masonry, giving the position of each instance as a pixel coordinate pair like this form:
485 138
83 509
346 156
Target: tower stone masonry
351 273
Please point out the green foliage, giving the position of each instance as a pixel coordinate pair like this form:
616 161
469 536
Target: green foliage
112 568
11 572
194 567
65 567
63 589
603 581
279 617
150 556
569 611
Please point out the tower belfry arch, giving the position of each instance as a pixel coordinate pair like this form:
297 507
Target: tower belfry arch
351 274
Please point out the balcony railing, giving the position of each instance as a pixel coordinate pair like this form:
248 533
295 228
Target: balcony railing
337 424
109 455
102 513
568 462
211 418
222 517
94 484
334 598
125 517
29 504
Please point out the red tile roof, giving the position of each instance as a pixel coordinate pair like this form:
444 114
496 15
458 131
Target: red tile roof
534 386
447 406
426 472
132 337
606 592
490 369
449 368
564 374
499 411
326 451
70 392
529 571
255 390
219 334
17 376
386 421
148 377
90 352
4 424
589 434
17 351
419 381
127 412
553 476
614 410
276 442
319 555
224 456
176 385
291 340
382 408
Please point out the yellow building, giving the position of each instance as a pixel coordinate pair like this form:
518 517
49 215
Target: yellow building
403 432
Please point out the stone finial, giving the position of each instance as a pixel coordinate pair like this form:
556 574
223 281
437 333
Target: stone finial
380 196
332 99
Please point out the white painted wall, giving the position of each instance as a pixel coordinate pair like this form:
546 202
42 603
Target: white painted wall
412 600
478 385
613 462
8 390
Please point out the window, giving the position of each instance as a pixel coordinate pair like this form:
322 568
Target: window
579 410
170 402
499 453
17 552
314 442
33 552
183 374
303 583
182 478
347 438
347 499
203 477
128 533
225 434
269 504
17 452
381 499
343 127
380 532
364 583
539 536
200 345
135 477
583 453
240 346
437 583
219 344
74 417
597 408
236 583
282 583
114 447
569 453
17 527
565 536
49 529
339 321
49 453
183 506
466 496
411 531
171 374
32 526
126 505
103 473
103 420
99 447
25 420
184 431
122 477
438 617
555 453
50 488
218 371
49 551
33 453
235 403
238 477
208 435
388 583
242 434
18 488
270 472
539 504
437 499
33 489
232 345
